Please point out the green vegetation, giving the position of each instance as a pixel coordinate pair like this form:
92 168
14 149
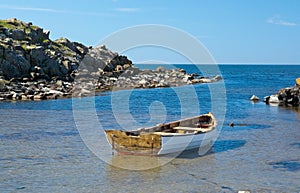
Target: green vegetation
17 24
63 49
46 41
27 30
3 23
28 47
34 27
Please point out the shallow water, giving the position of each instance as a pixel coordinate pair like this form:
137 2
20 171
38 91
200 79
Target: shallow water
43 151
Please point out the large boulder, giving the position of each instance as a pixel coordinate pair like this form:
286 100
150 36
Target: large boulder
102 58
38 35
66 44
54 69
298 81
289 96
18 34
117 62
37 55
14 65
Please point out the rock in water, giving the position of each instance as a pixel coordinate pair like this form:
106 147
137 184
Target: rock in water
274 99
289 96
254 98
298 81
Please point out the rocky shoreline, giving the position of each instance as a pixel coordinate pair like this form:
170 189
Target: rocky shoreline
34 67
87 86
289 97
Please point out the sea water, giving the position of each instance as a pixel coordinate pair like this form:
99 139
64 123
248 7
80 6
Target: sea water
44 145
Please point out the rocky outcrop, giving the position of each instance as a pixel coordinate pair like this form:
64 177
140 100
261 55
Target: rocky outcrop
161 77
101 59
26 51
34 67
287 96
29 57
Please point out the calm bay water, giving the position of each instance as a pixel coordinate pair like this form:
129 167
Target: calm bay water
43 151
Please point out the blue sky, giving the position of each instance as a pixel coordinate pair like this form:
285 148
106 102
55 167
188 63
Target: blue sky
234 31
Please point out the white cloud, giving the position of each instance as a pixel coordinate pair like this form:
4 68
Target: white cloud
39 9
32 9
127 9
279 21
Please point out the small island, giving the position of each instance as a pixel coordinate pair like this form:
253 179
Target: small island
34 67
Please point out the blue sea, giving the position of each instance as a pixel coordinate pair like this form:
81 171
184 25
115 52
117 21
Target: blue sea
56 145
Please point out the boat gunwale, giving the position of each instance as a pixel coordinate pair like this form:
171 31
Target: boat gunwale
184 134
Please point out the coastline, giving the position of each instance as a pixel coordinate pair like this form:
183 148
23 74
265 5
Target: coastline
43 90
34 67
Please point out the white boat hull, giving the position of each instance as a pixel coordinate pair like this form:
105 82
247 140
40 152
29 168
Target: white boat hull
173 144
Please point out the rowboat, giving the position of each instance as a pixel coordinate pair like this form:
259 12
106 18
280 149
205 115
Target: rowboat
166 138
